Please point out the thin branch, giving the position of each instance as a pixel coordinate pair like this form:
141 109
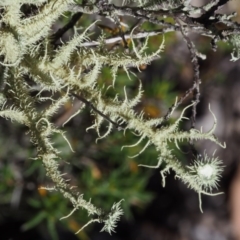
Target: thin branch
64 29
126 36
202 25
197 80
136 12
177 103
82 99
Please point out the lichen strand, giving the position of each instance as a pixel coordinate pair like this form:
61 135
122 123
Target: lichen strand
73 70
9 47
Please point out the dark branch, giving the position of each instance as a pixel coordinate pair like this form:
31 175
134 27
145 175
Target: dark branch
89 104
196 80
64 29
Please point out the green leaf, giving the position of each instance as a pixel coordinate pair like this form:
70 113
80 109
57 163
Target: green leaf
34 221
52 229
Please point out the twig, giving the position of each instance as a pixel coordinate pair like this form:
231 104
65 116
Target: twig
202 25
175 105
197 80
82 99
126 36
64 29
136 12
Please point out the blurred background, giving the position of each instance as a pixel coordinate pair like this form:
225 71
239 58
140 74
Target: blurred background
106 174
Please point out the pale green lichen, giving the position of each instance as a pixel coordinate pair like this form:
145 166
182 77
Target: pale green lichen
27 50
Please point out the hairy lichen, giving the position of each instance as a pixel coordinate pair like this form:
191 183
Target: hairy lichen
71 69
